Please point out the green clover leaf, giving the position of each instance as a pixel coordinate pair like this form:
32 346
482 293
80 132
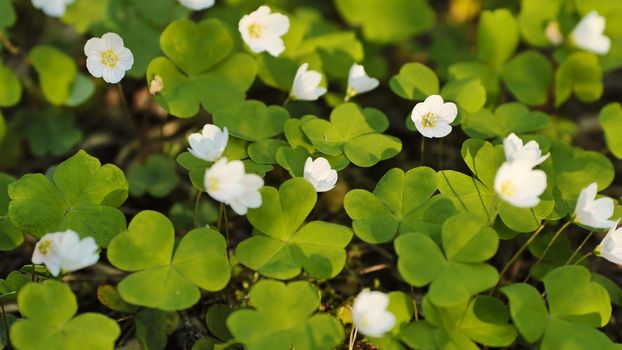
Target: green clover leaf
483 320
534 16
284 318
415 81
51 131
468 194
283 244
57 72
386 22
10 88
212 76
195 47
253 120
49 323
528 76
575 168
565 322
157 176
82 195
497 36
579 74
163 279
11 285
400 203
10 236
456 273
611 120
508 118
354 132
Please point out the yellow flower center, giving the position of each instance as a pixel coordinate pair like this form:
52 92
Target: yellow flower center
109 58
45 247
429 120
213 184
255 30
507 189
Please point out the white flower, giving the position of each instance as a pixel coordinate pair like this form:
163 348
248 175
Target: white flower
515 150
589 34
52 8
359 82
262 30
519 184
306 85
197 5
227 182
210 143
370 315
610 247
108 58
432 117
319 173
553 33
64 251
594 212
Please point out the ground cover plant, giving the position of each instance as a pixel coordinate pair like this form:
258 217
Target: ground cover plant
308 175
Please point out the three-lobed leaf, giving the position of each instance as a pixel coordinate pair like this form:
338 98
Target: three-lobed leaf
48 309
565 321
82 195
401 202
162 278
456 273
284 318
283 244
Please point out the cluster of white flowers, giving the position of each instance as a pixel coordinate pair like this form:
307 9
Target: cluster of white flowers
262 31
588 34
65 252
225 181
517 182
596 214
306 86
370 315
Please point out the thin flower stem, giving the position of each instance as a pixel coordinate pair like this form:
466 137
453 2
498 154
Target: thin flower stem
422 150
5 320
126 109
287 100
226 226
353 334
415 307
440 153
13 50
220 213
518 253
547 248
197 204
587 238
583 258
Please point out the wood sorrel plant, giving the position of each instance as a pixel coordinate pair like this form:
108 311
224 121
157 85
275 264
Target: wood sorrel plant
309 175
